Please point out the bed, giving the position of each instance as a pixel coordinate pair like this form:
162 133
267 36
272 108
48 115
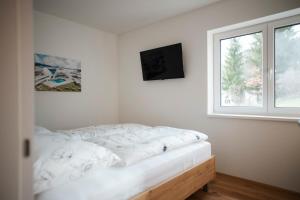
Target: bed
174 174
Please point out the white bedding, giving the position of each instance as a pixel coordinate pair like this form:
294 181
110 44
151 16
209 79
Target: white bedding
69 162
126 182
66 156
134 142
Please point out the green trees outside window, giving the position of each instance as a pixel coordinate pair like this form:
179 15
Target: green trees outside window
241 70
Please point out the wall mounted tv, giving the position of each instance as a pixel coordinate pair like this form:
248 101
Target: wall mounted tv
162 63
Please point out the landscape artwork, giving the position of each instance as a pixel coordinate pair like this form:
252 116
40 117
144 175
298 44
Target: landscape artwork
53 73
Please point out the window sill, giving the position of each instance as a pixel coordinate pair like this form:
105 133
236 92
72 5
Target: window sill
254 117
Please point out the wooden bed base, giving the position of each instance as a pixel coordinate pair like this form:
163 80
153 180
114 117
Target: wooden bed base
183 185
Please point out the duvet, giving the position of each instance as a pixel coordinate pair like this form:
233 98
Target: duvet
73 153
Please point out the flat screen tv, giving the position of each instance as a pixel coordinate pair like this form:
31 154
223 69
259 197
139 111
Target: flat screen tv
162 63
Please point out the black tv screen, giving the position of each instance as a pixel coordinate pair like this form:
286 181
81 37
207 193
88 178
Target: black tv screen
162 63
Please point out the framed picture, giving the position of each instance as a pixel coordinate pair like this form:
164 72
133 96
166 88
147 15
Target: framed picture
53 73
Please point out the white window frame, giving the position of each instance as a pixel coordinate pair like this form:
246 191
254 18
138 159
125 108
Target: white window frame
217 71
266 25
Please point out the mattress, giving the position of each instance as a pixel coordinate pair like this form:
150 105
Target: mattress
126 182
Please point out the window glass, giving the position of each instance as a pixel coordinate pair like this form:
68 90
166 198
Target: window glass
242 70
287 66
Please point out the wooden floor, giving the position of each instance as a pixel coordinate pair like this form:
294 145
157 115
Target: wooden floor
226 187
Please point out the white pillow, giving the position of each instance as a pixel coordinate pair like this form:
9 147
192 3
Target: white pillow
69 162
41 130
80 133
90 132
45 141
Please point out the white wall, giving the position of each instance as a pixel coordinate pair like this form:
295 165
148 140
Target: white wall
97 50
263 151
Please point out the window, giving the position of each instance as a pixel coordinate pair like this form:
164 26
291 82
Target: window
256 68
241 70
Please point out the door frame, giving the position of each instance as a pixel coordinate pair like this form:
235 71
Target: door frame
17 91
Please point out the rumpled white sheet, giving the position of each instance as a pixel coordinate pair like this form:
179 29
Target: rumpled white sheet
61 159
65 156
133 143
123 183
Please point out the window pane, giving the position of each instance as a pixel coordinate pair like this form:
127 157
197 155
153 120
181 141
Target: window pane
287 66
242 71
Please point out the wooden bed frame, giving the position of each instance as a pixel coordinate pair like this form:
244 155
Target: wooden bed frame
183 185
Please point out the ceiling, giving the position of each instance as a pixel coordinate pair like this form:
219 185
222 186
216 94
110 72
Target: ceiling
118 16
